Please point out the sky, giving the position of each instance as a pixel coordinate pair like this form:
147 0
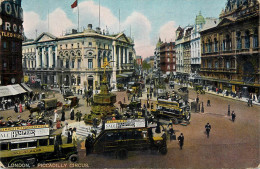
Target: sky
147 19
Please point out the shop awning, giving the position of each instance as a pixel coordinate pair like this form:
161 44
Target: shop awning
18 88
26 87
7 91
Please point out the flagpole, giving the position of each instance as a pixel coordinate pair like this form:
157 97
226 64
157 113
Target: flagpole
78 15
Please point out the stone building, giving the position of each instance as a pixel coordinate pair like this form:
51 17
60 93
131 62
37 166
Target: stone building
183 52
157 56
168 58
230 49
76 59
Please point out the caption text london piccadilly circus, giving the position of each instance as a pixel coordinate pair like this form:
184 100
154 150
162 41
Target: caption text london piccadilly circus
11 27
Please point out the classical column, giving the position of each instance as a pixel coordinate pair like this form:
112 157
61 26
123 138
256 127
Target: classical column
37 58
124 54
114 55
119 56
127 56
56 54
43 57
50 57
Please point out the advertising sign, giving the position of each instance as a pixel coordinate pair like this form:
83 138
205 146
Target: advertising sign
23 132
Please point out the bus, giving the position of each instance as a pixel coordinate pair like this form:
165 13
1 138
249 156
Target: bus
26 146
177 111
121 136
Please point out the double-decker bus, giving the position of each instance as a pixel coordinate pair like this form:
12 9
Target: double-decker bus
26 146
121 136
177 111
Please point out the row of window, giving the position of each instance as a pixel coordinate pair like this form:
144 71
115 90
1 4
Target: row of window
226 44
11 46
28 144
218 64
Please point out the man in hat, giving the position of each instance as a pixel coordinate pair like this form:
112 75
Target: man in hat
181 140
78 116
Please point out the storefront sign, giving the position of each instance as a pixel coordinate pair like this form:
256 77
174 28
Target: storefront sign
11 29
24 133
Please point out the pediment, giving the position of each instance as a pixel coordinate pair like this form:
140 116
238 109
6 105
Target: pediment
226 21
44 37
122 37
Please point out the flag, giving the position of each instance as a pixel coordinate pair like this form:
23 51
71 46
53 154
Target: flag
75 4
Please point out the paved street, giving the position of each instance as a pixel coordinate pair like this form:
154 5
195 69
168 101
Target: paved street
231 145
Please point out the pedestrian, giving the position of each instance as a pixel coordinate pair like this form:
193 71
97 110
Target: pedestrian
78 116
208 128
124 99
74 137
208 103
181 140
72 114
233 115
88 144
58 124
50 122
20 108
55 116
62 114
69 140
197 99
16 108
202 107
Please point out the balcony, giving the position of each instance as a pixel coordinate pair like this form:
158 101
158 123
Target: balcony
219 70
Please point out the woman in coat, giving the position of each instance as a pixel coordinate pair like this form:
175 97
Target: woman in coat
20 108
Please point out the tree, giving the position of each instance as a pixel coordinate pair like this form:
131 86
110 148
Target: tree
146 66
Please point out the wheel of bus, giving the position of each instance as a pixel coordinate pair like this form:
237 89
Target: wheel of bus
187 116
122 154
163 150
73 158
17 163
175 120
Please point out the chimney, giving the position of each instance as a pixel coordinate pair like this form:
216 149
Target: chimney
98 30
89 26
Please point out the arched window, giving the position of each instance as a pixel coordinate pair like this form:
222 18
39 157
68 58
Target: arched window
67 63
255 39
215 45
203 47
239 43
247 39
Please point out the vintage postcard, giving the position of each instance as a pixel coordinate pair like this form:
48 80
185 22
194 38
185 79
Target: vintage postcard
129 84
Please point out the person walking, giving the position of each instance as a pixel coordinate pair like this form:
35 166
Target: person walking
74 137
233 115
181 140
208 103
55 116
69 140
78 116
72 114
208 128
62 114
16 108
20 108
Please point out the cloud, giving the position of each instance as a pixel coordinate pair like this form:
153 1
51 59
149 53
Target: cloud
141 29
58 22
167 31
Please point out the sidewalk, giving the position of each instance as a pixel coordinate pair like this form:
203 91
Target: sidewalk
230 97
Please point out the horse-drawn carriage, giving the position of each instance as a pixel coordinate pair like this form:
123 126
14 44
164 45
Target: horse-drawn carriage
199 89
72 101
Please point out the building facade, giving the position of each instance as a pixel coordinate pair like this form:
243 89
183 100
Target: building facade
77 59
11 30
195 44
187 51
168 58
179 51
230 50
157 56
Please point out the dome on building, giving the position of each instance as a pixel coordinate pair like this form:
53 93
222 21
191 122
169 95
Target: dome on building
199 19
